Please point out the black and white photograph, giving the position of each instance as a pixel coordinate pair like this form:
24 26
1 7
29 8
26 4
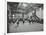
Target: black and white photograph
24 17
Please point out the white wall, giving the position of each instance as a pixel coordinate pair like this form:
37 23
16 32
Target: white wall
39 13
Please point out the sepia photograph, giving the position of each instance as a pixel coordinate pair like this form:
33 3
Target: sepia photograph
24 17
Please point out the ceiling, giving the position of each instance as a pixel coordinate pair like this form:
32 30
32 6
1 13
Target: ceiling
23 7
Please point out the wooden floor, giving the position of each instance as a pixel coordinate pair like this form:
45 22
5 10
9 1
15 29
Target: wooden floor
26 27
